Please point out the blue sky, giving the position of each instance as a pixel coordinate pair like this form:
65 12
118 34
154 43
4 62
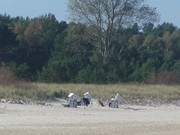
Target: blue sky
169 9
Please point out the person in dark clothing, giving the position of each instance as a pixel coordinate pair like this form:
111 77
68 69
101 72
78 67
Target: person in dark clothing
86 99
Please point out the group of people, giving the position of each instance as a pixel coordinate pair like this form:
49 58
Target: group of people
73 100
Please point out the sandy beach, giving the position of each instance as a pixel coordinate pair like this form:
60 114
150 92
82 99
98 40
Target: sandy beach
57 120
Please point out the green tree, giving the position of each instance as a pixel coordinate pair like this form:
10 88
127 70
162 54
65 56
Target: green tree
106 16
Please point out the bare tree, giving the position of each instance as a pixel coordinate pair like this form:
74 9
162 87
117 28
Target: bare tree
105 16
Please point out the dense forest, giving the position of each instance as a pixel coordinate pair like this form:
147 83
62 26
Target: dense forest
44 49
107 41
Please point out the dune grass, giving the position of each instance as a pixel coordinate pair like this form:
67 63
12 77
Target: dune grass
131 92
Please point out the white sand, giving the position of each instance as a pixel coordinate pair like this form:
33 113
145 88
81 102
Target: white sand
56 120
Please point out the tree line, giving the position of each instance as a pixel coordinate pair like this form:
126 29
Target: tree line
93 50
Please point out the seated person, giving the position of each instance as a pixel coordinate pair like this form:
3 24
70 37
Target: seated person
86 99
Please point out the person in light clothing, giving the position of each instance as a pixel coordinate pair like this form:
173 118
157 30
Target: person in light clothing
115 101
72 100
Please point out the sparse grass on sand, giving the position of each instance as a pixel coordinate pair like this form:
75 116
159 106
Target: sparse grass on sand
132 93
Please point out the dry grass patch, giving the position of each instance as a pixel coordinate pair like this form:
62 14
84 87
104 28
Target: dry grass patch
132 93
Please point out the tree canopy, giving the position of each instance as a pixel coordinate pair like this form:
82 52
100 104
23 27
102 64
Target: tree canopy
112 41
107 16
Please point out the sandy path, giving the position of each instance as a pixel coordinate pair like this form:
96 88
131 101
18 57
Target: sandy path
56 120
